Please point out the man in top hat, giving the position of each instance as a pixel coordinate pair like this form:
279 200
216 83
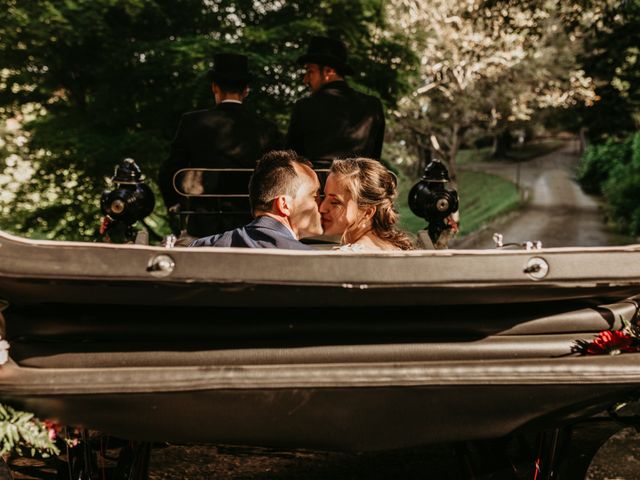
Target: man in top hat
225 136
335 121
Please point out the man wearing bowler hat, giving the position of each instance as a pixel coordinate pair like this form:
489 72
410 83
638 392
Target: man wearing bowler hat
226 136
335 121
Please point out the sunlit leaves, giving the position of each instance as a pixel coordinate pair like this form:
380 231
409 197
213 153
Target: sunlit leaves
485 65
112 77
23 433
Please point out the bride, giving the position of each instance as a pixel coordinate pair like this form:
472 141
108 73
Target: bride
358 206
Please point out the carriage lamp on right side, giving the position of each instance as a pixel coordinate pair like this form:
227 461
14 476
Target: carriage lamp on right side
433 200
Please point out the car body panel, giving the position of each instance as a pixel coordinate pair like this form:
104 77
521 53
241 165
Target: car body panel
315 349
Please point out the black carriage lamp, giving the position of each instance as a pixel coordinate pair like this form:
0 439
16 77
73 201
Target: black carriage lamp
130 201
433 200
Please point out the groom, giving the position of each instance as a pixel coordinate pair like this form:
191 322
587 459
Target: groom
284 193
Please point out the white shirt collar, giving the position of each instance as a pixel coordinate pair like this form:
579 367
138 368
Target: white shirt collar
231 101
292 234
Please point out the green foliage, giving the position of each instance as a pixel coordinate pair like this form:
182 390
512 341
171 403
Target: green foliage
109 79
611 57
598 162
469 156
408 221
518 153
622 189
484 197
533 149
25 434
485 67
613 169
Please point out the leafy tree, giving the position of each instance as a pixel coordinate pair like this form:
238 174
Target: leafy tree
612 168
97 73
484 66
86 83
599 160
612 58
622 188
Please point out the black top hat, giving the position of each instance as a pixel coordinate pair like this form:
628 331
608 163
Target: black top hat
230 67
327 51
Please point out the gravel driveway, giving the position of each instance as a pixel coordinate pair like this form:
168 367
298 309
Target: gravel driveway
556 210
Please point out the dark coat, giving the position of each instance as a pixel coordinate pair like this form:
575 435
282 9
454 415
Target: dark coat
263 232
226 136
336 122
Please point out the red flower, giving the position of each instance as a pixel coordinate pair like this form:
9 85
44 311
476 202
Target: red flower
451 224
612 342
104 225
53 427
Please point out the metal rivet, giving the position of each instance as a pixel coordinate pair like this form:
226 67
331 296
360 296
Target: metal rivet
442 205
117 206
537 268
161 266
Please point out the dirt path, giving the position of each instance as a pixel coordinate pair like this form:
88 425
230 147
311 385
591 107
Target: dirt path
557 212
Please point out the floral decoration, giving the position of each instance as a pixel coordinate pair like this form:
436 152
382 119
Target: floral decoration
24 434
611 342
4 351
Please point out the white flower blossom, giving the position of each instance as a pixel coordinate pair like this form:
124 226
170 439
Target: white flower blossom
4 351
481 68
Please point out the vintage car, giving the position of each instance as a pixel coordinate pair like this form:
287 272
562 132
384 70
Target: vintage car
322 349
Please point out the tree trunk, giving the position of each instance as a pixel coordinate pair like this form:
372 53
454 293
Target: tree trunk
426 155
584 141
502 144
453 153
423 153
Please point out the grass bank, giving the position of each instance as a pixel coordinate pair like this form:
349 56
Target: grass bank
519 153
483 197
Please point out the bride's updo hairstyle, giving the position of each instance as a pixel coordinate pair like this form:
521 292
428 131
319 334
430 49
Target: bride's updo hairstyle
373 185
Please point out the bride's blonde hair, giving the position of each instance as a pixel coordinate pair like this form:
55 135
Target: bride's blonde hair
372 185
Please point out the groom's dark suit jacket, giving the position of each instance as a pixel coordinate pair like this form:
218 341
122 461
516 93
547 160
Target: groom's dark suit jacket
226 136
263 232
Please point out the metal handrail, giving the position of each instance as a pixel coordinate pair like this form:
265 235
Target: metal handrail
219 170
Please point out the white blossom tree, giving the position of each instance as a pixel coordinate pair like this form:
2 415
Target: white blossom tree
484 66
